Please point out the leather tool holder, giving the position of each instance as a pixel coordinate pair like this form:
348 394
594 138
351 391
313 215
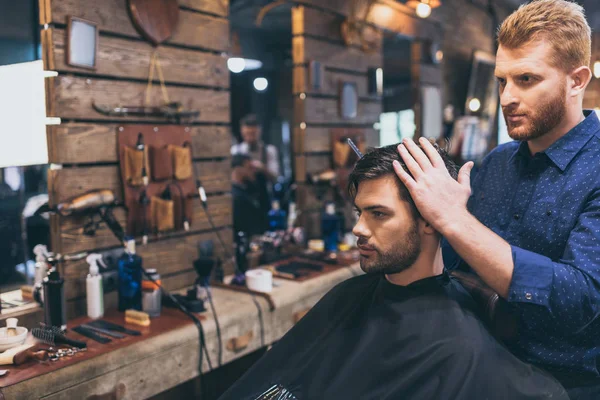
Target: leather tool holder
161 162
135 166
162 214
167 202
182 162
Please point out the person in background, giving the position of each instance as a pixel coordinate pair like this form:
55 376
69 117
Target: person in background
531 228
265 157
248 217
264 160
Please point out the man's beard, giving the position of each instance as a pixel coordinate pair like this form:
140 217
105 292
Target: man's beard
400 258
537 123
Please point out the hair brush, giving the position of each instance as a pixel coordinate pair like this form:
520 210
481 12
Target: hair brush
54 337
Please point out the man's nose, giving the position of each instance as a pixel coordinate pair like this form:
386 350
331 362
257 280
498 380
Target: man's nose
361 229
509 96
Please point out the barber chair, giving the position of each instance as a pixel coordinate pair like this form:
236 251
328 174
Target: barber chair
497 313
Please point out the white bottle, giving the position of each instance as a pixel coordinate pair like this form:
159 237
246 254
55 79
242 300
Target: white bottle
41 268
292 216
94 289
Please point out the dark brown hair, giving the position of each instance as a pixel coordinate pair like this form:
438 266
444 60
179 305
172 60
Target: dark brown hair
378 162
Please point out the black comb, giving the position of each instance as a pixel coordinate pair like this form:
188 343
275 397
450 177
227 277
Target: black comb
51 336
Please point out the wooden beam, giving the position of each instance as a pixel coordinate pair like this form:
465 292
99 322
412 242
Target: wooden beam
218 7
93 143
66 183
124 58
194 29
306 49
324 111
74 97
330 83
170 257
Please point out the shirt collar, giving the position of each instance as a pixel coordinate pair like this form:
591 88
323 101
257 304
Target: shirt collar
562 152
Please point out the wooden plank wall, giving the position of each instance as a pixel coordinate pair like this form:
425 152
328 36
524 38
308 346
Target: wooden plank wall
316 36
84 145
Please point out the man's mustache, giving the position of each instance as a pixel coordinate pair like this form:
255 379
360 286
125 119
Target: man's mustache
363 243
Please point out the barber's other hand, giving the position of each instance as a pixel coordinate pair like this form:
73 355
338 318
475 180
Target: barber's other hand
440 199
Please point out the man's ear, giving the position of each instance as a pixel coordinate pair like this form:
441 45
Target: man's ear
426 227
579 79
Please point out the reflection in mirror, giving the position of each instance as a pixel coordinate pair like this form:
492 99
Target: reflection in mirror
260 67
482 90
398 119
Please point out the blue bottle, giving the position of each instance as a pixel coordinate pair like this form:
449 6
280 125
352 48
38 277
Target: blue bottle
130 278
277 217
330 228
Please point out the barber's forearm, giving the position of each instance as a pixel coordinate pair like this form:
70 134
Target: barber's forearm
485 252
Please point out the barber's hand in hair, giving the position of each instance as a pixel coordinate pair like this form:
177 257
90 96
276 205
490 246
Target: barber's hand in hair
440 199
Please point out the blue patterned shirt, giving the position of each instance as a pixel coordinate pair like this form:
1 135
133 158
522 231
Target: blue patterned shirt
547 206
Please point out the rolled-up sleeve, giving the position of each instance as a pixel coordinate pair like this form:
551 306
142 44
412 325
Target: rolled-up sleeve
569 288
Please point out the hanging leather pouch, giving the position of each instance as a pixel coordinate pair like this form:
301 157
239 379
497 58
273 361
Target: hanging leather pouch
136 166
182 162
162 214
161 162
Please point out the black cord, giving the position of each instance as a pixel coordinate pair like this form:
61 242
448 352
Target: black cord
193 318
212 307
260 321
184 219
229 256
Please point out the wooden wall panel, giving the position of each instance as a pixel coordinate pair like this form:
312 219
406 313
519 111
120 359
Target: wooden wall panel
218 7
171 257
125 58
74 97
194 29
310 21
330 84
86 143
69 182
334 55
73 240
325 111
74 143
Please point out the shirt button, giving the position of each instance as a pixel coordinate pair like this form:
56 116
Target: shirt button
528 296
516 217
548 213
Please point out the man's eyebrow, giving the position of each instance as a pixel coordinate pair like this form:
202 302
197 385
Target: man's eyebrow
377 207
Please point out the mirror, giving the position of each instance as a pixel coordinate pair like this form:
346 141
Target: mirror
262 106
482 91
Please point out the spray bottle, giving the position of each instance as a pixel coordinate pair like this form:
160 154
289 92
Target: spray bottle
41 270
93 287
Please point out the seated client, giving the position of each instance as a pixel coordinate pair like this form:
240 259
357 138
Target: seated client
403 330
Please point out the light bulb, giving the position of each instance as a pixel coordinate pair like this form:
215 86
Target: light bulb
261 84
236 64
474 104
423 10
597 69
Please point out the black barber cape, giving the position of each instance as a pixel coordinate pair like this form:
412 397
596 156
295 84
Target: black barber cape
371 339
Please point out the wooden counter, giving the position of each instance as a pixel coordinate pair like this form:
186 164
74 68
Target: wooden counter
166 354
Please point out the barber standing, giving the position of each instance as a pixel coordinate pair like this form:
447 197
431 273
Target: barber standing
531 230
265 159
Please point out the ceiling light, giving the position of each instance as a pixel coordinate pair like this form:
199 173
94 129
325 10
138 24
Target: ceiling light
261 84
597 69
423 7
474 104
236 64
423 10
